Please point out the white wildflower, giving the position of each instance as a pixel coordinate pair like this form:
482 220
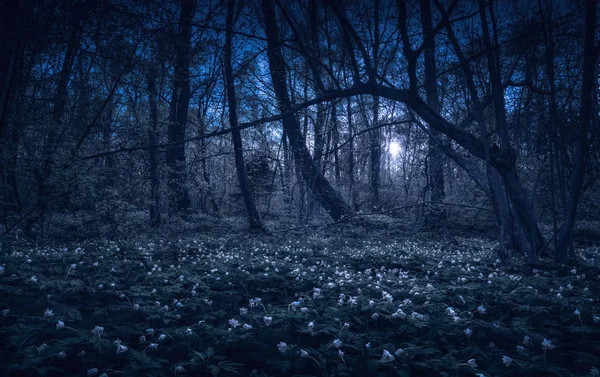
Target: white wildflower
282 347
547 344
316 292
98 330
387 357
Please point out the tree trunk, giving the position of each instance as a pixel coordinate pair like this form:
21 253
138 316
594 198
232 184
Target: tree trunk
44 174
582 148
240 166
11 69
319 124
336 141
375 156
176 160
437 214
205 171
558 152
351 163
327 196
153 140
375 134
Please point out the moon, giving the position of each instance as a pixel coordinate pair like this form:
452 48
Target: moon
394 148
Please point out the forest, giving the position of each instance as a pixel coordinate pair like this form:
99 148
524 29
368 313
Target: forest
299 188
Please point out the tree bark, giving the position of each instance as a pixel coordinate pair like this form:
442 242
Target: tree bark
12 55
176 159
336 141
252 212
351 163
582 148
327 196
155 215
558 151
44 174
375 134
437 214
209 195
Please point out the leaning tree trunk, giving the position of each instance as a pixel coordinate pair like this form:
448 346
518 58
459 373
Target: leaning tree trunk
324 192
523 213
498 191
240 166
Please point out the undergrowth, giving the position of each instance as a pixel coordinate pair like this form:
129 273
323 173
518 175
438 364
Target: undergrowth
294 306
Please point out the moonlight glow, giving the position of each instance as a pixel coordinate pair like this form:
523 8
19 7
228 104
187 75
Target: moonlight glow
394 148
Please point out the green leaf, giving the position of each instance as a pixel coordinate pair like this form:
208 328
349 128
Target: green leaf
214 370
73 313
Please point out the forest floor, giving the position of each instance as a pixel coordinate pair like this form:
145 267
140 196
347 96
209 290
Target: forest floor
333 302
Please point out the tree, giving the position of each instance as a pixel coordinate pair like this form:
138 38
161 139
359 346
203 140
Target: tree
45 172
155 216
375 134
324 192
582 148
436 162
498 159
240 166
179 108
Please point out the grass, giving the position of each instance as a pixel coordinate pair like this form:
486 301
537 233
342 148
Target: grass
294 305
